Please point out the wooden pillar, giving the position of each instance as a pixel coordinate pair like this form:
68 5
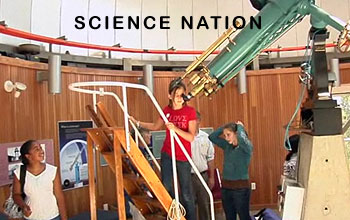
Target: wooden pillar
92 186
99 173
119 177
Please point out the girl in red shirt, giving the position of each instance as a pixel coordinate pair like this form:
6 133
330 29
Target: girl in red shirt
182 120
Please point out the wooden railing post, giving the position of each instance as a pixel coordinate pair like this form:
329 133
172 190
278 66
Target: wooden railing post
92 186
119 177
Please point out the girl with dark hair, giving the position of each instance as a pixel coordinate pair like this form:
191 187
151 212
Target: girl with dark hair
43 193
235 184
182 120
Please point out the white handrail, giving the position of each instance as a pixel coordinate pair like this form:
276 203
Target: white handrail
75 87
126 118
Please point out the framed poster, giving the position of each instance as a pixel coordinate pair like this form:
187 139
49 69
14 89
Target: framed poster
73 153
11 158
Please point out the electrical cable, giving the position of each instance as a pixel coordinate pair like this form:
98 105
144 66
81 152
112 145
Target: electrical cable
304 81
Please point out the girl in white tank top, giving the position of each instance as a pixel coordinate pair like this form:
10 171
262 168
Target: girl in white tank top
42 188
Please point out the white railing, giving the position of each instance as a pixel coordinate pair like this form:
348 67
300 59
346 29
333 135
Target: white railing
101 84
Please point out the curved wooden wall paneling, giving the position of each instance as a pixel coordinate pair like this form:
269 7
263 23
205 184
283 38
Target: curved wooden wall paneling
265 109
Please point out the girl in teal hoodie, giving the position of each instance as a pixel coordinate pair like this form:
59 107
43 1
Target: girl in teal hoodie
235 184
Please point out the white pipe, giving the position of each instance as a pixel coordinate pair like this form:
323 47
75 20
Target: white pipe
211 199
148 76
94 102
54 74
242 81
334 66
126 118
173 160
135 128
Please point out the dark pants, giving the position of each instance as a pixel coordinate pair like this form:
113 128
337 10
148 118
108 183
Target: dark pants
127 205
236 201
184 176
201 196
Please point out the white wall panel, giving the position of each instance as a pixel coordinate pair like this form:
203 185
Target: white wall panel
1 19
340 11
17 14
1 10
101 36
231 9
71 9
180 39
130 38
56 17
46 20
155 38
302 30
287 40
203 37
248 10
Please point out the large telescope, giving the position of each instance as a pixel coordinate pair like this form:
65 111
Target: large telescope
277 17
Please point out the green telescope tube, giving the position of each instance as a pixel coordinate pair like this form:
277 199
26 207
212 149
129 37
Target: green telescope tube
277 17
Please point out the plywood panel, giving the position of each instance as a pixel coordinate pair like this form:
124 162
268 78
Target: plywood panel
8 107
345 73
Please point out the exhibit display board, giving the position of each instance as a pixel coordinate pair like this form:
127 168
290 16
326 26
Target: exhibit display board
11 158
158 138
73 153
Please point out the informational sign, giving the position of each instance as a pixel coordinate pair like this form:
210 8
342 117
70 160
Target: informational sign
158 138
11 158
73 153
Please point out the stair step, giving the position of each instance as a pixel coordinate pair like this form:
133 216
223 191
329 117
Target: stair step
134 178
111 154
151 201
109 157
155 217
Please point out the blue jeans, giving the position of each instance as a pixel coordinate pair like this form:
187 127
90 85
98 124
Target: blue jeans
236 201
185 181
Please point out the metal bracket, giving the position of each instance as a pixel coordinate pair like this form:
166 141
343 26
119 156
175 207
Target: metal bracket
42 76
